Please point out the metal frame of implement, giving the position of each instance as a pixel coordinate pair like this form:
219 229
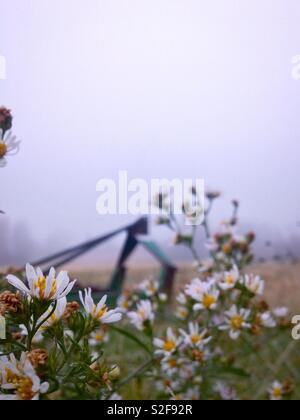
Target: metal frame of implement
135 237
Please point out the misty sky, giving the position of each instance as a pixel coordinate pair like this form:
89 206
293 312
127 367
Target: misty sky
161 88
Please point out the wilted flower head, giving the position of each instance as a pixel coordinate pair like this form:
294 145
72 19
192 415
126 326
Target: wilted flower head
71 309
212 195
43 287
5 119
10 302
99 312
38 357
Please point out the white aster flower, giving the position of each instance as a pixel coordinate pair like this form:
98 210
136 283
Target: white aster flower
188 369
20 380
281 312
38 337
43 287
57 315
170 366
266 320
226 392
181 313
98 338
99 312
197 288
150 287
9 146
168 346
254 284
276 391
142 315
182 299
192 394
229 279
49 320
167 384
115 397
163 297
193 211
124 302
236 321
195 337
208 300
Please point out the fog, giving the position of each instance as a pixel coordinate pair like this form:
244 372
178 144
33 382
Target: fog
160 88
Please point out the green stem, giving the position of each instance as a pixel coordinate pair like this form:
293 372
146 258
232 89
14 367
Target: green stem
134 374
132 338
36 326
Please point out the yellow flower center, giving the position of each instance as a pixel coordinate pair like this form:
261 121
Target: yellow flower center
167 383
23 385
3 149
101 312
226 249
99 337
208 301
11 377
24 389
229 279
277 392
169 345
53 318
125 304
254 287
172 363
196 338
41 284
183 313
236 322
142 313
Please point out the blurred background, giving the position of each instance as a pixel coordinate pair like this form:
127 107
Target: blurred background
160 88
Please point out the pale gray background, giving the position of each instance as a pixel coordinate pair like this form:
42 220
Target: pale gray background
188 88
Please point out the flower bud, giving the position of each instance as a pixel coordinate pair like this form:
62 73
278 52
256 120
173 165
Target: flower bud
5 119
38 357
115 373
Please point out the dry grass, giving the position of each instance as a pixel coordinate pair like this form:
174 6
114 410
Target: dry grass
282 280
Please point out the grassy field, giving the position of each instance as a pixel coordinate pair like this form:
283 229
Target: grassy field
275 356
282 280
